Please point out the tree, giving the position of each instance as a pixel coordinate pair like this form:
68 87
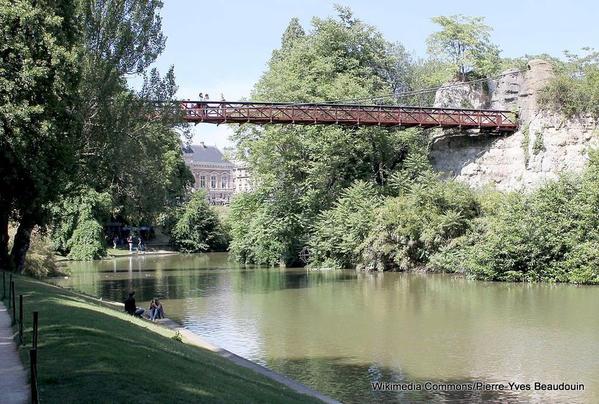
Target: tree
301 171
122 150
465 43
39 77
293 32
339 231
198 229
127 148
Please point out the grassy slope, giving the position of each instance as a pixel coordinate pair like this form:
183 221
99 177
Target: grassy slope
89 353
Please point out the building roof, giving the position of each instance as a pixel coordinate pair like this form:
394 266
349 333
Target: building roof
204 154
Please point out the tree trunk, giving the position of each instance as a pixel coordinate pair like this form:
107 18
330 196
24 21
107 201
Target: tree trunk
4 259
21 243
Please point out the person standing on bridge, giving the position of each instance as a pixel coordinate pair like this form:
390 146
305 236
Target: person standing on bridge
221 107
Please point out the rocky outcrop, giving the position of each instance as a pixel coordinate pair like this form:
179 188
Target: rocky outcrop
545 146
463 95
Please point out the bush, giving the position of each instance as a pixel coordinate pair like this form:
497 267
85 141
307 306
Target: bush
575 88
339 231
551 234
410 228
198 229
76 229
264 231
87 241
40 261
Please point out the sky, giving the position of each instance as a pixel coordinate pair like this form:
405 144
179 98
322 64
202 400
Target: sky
224 46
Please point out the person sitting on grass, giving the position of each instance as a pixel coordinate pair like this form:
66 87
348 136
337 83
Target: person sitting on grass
159 312
153 310
130 306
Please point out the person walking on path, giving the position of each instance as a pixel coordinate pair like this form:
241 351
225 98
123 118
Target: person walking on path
13 378
130 241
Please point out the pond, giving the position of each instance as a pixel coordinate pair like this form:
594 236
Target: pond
339 331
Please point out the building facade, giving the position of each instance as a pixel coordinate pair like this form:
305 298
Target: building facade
211 171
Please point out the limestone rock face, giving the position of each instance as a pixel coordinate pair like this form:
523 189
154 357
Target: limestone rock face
462 95
505 90
546 145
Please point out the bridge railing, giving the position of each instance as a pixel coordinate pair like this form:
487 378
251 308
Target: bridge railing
262 113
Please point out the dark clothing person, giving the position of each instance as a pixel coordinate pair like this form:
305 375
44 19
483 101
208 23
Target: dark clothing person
130 306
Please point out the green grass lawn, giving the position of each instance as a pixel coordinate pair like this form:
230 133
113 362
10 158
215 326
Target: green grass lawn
89 353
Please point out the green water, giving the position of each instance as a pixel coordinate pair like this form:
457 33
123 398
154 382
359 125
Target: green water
338 331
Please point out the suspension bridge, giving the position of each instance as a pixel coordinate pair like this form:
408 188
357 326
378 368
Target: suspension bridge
217 112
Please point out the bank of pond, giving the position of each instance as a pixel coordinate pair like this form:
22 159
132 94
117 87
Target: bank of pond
340 331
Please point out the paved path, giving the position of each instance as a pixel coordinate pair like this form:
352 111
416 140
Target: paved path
13 378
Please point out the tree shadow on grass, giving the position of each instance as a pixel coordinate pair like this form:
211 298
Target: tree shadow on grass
89 353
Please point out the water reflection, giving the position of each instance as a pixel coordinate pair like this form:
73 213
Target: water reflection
338 331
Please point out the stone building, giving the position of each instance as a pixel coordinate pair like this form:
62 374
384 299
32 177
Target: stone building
211 171
242 179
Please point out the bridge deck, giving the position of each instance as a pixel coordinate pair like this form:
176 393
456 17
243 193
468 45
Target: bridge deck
345 114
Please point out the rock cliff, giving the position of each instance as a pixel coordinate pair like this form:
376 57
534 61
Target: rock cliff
546 144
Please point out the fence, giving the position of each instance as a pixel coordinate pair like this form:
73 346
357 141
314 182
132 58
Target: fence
33 357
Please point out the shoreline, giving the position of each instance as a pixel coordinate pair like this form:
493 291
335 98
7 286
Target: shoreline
197 340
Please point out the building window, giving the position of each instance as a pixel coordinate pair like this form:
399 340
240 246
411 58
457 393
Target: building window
213 181
202 181
224 182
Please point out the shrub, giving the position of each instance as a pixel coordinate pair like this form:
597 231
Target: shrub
410 228
581 264
575 88
87 241
40 261
76 229
551 234
339 231
198 229
264 231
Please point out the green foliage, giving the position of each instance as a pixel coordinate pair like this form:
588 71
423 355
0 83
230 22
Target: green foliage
39 75
301 171
40 262
198 229
574 90
581 264
77 218
177 337
538 145
465 43
262 232
548 235
339 231
87 241
121 151
424 218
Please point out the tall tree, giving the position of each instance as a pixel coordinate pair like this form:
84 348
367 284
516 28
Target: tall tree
39 77
465 43
302 170
127 149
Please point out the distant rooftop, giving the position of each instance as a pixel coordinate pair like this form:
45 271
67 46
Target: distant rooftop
204 154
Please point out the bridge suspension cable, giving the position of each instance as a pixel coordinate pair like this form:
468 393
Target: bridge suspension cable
416 92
